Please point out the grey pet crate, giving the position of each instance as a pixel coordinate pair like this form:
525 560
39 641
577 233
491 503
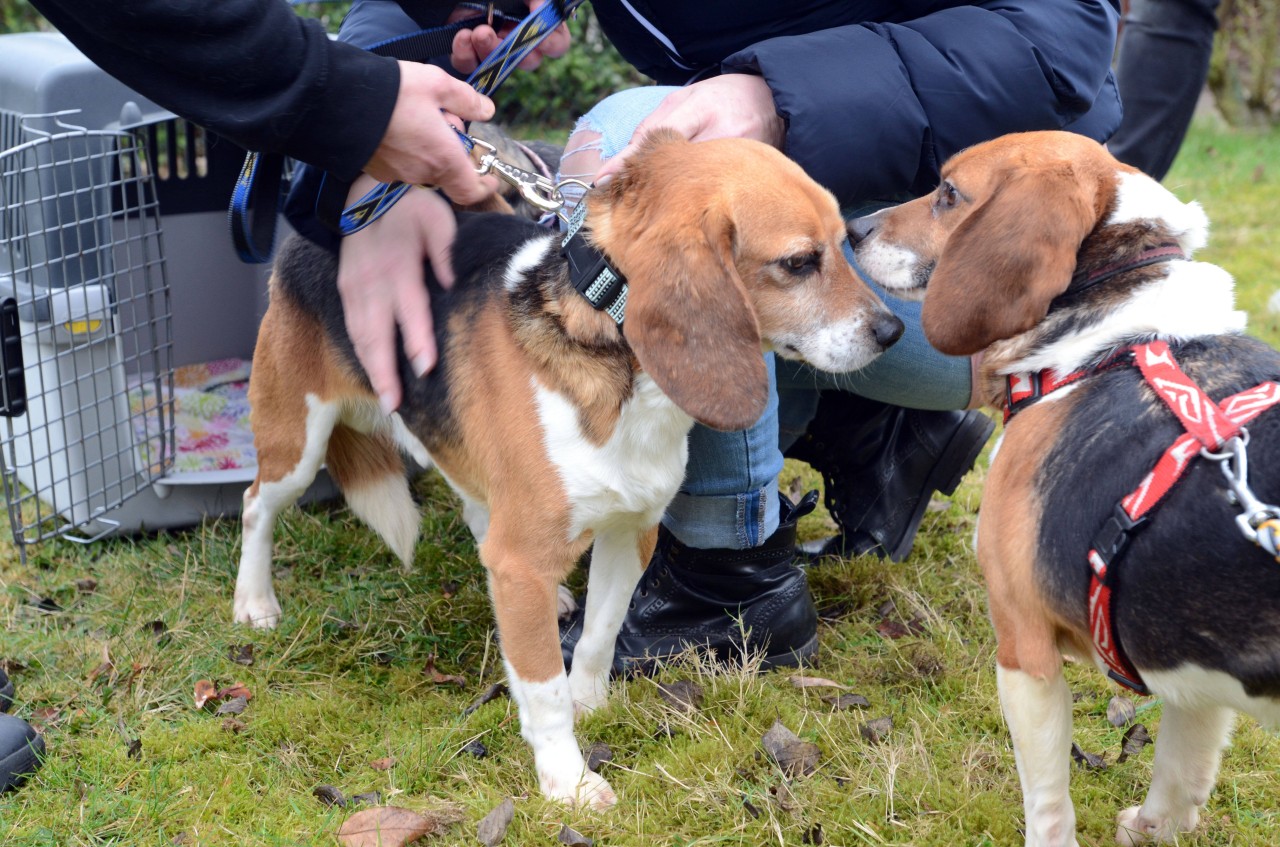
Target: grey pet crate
115 267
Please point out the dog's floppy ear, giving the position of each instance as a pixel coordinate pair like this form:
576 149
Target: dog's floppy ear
688 319
1004 264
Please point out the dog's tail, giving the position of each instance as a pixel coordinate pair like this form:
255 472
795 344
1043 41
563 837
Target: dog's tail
369 470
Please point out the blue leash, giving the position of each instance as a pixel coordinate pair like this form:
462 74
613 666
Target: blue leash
256 197
486 78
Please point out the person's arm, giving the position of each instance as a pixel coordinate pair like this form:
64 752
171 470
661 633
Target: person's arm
873 110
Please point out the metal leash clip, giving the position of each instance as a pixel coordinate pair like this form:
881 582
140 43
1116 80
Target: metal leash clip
1258 521
537 190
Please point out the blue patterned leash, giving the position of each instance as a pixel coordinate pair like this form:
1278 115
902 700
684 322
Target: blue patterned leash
486 78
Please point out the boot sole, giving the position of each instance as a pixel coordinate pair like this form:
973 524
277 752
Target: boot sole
955 460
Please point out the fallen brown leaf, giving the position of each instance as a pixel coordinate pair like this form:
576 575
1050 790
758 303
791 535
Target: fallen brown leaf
392 826
384 764
493 827
876 730
241 654
430 672
572 837
1135 738
234 706
86 585
683 694
847 701
814 682
892 629
205 691
329 795
235 690
597 754
1120 710
794 755
1092 761
233 725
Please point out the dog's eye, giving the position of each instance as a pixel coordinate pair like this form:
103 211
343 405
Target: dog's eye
948 197
801 264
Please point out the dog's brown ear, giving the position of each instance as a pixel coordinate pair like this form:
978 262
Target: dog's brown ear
689 322
1004 264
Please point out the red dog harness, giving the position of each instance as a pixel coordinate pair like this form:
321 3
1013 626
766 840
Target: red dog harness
1209 426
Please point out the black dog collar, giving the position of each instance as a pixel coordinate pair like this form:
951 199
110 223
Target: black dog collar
590 272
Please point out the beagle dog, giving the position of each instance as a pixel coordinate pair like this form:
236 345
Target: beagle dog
1106 533
560 425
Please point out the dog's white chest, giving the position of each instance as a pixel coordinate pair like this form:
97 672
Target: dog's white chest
631 477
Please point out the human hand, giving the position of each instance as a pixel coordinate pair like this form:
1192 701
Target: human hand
380 280
726 106
472 46
419 147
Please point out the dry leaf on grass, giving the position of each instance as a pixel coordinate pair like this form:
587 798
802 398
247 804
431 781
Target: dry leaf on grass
241 654
794 755
814 682
1092 761
572 837
233 725
683 694
476 748
238 689
86 585
234 706
876 730
847 701
329 796
205 691
368 798
1135 738
597 755
383 764
892 629
493 827
1121 711
430 672
392 826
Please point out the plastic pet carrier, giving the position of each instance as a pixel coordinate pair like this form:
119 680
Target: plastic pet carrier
126 321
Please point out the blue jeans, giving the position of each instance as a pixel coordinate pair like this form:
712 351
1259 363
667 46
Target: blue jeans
729 498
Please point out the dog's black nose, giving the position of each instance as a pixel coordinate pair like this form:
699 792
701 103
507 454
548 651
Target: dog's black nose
887 329
860 228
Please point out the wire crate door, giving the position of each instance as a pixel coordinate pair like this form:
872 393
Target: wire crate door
85 307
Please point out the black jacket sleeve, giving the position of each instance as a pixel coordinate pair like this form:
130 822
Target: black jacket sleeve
252 71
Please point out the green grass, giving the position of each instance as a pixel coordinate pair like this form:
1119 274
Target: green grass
340 684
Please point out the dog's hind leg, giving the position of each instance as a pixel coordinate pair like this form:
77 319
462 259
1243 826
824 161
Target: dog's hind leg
290 453
617 561
1188 750
523 580
1038 711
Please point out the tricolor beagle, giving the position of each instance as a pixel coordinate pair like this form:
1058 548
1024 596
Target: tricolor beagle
559 425
1072 274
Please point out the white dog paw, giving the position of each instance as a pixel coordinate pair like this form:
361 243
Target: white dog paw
1133 828
565 604
583 790
260 612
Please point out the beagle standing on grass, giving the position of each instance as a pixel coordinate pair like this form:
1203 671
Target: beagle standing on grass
1105 533
560 426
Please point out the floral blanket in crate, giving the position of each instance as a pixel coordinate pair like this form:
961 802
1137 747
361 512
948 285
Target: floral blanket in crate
211 417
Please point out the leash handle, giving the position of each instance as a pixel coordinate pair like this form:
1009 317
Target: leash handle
486 78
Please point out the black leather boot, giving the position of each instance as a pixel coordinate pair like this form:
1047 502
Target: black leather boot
21 747
881 464
710 598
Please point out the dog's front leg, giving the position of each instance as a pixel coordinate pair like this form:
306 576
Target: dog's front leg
1188 751
524 589
1038 712
617 561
